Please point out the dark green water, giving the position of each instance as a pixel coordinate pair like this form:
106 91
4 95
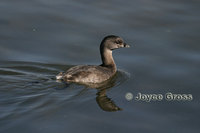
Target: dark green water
40 38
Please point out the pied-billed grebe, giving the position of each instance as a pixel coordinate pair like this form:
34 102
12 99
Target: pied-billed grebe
96 74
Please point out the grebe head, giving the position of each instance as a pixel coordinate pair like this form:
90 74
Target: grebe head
112 42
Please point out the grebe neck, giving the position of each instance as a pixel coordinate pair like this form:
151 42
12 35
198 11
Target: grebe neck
107 59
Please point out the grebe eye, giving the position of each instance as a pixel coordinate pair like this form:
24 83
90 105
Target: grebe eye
118 41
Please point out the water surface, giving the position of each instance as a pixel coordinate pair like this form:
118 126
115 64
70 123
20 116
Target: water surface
40 38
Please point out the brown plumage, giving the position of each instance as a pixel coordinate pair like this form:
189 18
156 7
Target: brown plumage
92 73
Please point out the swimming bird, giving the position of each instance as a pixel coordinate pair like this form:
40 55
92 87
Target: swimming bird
96 73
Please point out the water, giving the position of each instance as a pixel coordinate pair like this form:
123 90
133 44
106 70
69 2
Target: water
40 38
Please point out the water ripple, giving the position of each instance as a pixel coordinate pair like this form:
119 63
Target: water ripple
31 87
